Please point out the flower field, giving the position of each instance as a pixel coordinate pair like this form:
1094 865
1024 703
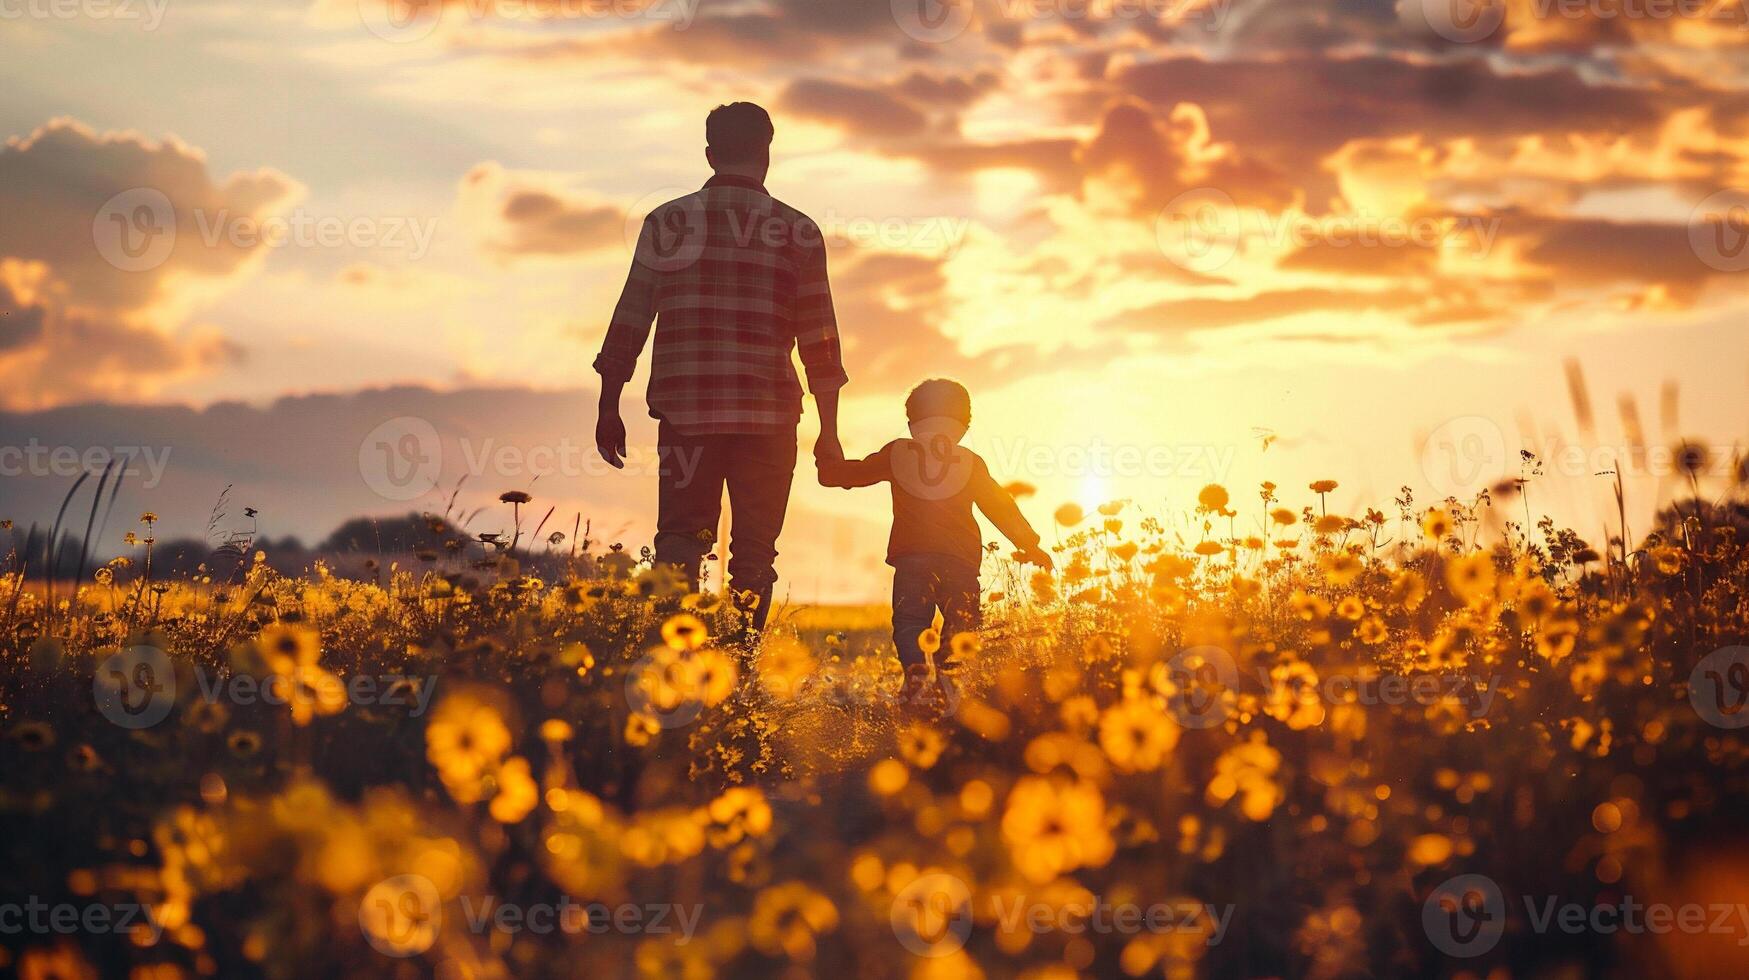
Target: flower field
1434 742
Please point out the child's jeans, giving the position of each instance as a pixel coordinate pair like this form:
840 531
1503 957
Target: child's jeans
921 585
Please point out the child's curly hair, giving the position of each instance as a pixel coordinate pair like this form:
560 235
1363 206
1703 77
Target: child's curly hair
937 397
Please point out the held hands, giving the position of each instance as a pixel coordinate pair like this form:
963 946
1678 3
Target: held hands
610 437
827 447
1036 556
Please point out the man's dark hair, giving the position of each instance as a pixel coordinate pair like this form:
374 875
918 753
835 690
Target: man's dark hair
739 132
939 397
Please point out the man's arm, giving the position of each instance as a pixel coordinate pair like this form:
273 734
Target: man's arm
817 340
999 506
626 334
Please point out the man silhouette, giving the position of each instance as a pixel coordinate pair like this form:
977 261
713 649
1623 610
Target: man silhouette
734 280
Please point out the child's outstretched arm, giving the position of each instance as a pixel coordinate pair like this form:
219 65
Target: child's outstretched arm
849 473
999 506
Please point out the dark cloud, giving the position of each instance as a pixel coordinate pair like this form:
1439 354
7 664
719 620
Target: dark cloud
1294 112
20 325
916 103
950 90
860 111
1360 259
519 218
1597 252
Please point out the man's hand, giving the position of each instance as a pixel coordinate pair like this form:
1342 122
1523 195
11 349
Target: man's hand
1036 556
610 437
828 447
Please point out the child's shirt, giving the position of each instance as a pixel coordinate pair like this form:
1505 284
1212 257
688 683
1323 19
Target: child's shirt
933 495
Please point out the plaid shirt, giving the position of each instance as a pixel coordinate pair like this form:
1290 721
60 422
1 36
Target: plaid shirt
734 280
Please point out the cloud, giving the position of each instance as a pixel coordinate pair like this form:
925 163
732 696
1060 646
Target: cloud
1051 158
859 110
1573 251
72 197
519 215
1359 259
51 353
1437 303
1316 105
915 104
892 307
20 325
106 238
750 35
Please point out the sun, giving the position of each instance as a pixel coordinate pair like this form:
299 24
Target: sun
1094 490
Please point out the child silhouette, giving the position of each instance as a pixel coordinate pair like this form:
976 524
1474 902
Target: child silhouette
935 547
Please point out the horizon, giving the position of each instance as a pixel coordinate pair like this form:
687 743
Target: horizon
1192 234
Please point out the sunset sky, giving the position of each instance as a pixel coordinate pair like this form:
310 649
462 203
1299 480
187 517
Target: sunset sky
1163 243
